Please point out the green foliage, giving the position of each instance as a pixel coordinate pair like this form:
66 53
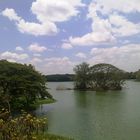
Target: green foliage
106 76
44 101
60 77
82 76
52 137
20 85
98 77
130 75
138 75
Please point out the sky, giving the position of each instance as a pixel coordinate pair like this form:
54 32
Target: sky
56 35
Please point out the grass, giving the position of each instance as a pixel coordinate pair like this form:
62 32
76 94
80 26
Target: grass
41 102
52 137
45 101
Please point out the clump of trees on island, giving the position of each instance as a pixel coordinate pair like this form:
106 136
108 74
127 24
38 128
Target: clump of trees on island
20 86
98 77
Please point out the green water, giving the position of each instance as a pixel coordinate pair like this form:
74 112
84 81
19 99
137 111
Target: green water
90 115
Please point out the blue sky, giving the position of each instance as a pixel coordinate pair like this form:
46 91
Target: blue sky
55 35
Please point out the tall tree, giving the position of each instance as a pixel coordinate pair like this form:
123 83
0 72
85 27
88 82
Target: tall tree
138 75
21 85
98 77
106 76
81 76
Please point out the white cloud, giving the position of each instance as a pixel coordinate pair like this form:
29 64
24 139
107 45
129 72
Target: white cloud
57 65
106 29
101 31
13 56
36 60
48 13
11 14
45 28
36 54
125 6
126 57
81 55
123 27
54 10
37 29
66 46
18 48
37 48
92 39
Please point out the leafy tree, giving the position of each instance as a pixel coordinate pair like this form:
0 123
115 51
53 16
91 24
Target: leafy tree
130 75
98 77
20 85
82 76
106 76
138 75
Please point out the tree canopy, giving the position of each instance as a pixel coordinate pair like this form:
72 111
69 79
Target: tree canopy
82 78
138 75
20 85
98 77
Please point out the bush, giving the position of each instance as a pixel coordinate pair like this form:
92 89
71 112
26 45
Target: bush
24 127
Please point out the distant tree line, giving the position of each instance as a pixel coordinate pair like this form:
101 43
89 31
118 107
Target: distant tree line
137 74
70 77
130 75
60 77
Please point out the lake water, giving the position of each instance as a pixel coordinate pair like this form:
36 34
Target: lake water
112 115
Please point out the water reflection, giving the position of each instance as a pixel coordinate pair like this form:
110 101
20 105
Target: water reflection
81 98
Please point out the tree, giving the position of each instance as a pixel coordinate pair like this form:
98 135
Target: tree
21 85
98 77
130 75
106 76
82 76
138 75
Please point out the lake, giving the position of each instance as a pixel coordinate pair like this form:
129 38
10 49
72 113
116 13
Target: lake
90 115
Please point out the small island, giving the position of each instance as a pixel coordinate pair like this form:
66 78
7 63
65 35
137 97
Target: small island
98 77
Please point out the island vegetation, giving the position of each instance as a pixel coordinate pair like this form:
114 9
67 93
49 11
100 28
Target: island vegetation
98 77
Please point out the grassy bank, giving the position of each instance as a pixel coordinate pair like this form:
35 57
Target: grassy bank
39 102
45 101
52 137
